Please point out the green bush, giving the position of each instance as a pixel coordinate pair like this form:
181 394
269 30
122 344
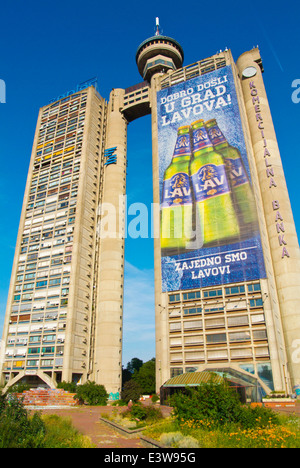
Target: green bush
68 386
92 394
207 401
138 411
18 388
17 429
218 405
257 417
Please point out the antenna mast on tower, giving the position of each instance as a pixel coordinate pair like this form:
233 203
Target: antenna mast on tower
157 27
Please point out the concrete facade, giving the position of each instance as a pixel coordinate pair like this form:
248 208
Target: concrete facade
64 318
272 327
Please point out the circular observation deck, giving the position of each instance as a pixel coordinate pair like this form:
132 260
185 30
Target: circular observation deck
158 54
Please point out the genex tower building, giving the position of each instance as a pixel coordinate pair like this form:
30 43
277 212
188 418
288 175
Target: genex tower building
227 263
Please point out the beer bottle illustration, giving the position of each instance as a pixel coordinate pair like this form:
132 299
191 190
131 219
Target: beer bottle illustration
211 188
240 184
176 201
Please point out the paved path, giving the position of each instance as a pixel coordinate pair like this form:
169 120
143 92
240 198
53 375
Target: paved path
289 410
86 420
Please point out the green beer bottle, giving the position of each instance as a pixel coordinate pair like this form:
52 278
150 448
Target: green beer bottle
177 201
237 175
212 194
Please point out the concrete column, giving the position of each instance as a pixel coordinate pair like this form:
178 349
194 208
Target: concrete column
277 208
109 307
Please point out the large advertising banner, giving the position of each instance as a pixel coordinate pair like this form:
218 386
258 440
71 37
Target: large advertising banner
209 226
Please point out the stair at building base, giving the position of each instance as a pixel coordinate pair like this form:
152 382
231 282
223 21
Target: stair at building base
47 397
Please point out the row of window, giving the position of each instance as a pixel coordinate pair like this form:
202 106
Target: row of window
193 295
42 350
217 322
36 339
30 297
33 363
231 337
253 303
220 354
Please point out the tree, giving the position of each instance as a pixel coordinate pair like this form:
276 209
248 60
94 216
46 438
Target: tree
134 365
145 377
131 391
126 376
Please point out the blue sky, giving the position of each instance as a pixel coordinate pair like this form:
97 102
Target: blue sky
47 47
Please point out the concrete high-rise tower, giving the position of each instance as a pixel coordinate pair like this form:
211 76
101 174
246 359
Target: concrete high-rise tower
64 312
230 306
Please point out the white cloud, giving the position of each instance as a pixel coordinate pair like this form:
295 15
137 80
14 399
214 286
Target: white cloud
139 316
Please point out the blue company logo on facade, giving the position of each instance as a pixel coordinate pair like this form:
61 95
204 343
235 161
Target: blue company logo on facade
111 158
79 87
2 92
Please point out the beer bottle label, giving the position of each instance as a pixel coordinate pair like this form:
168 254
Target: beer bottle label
216 136
210 181
236 171
200 139
177 191
183 146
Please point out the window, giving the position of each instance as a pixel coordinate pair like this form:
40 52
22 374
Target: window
29 276
215 323
47 363
213 310
216 338
238 321
194 310
259 335
32 363
174 298
41 284
195 356
191 295
192 325
175 326
48 350
254 287
213 293
34 339
239 336
54 282
33 350
256 302
258 318
235 290
193 340
49 338
176 371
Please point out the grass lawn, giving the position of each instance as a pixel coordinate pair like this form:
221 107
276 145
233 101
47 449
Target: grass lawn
60 433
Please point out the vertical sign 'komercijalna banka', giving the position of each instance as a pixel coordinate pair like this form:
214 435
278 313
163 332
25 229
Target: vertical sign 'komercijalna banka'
209 226
269 170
